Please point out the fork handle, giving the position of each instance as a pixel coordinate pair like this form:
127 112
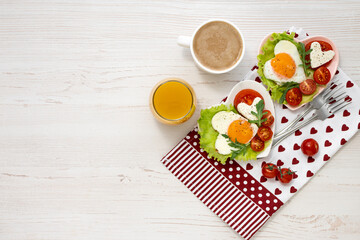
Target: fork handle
294 122
278 139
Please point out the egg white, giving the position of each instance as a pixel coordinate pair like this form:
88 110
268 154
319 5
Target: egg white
288 47
221 122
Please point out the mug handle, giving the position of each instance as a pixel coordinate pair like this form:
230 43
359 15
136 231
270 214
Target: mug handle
184 41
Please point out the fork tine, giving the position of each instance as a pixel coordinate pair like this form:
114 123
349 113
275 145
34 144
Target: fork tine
340 106
331 93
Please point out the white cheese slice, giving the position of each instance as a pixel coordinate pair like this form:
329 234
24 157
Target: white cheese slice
222 145
246 110
318 57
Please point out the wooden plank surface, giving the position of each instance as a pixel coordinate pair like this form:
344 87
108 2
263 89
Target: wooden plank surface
80 150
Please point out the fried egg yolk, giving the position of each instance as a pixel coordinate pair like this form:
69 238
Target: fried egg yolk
284 65
241 131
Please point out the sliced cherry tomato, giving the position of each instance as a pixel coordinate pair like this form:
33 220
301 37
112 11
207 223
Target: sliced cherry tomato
308 87
285 175
324 47
294 97
269 170
269 118
257 144
246 96
322 75
310 147
265 133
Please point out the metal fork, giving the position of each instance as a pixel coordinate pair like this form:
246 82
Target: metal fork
325 96
322 113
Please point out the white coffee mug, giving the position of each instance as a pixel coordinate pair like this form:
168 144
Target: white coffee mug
186 41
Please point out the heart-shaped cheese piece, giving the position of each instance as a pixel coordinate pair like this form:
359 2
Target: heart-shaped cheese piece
246 110
318 57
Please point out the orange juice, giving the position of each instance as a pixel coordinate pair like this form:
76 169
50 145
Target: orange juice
172 101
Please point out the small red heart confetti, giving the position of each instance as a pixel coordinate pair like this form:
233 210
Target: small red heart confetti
359 125
327 143
249 166
333 86
281 148
295 161
343 141
296 146
295 175
337 72
298 133
309 174
263 179
307 34
224 99
296 35
277 191
284 107
313 131
301 119
344 127
346 113
284 120
280 163
262 164
293 189
310 159
329 129
349 84
326 157
257 79
332 116
254 67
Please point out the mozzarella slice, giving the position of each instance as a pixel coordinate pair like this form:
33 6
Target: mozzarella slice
318 57
221 121
222 145
246 110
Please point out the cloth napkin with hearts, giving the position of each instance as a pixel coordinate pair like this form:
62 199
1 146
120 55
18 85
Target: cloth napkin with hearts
237 192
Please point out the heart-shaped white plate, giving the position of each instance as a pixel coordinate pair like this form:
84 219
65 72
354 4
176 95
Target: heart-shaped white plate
332 66
269 105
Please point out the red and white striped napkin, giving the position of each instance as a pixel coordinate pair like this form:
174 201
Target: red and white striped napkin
236 191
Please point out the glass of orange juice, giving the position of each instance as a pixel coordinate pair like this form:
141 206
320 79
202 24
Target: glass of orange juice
172 101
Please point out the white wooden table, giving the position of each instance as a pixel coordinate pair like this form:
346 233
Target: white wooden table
80 150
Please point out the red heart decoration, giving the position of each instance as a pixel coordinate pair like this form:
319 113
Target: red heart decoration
311 159
349 84
344 127
293 189
284 107
326 157
298 133
263 179
281 148
277 191
346 113
296 146
313 131
262 164
327 143
309 174
249 166
301 119
332 116
348 99
295 175
343 141
254 67
280 163
257 79
295 161
359 125
333 86
329 129
337 72
284 120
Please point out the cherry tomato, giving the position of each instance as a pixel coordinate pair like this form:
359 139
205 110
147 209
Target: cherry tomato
294 97
246 96
269 170
265 133
322 75
324 47
257 144
308 87
285 175
309 147
269 118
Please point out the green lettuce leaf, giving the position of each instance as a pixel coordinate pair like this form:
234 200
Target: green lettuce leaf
208 135
267 54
